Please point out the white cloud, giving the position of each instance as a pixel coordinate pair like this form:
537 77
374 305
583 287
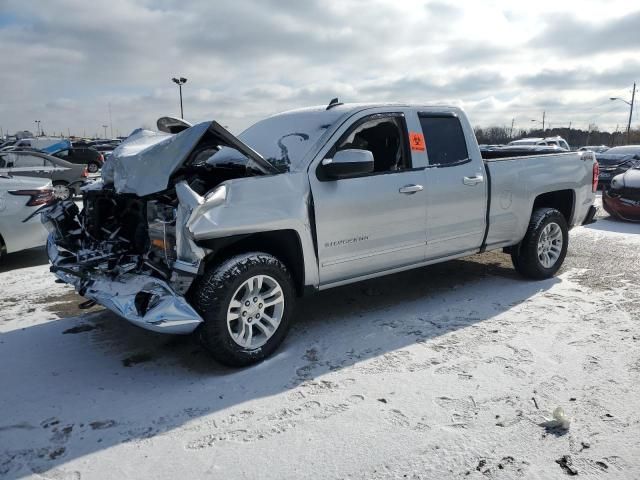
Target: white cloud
64 62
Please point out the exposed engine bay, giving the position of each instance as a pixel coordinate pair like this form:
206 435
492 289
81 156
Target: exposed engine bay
132 253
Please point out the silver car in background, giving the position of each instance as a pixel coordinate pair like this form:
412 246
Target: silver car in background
66 177
20 197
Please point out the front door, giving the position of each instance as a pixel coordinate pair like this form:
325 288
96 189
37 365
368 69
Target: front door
373 222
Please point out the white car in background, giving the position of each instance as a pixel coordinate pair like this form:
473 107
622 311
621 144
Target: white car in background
537 141
20 197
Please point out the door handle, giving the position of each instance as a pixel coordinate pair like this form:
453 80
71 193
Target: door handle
409 189
473 180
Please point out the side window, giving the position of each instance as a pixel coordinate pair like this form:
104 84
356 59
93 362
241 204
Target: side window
62 153
384 137
444 139
28 161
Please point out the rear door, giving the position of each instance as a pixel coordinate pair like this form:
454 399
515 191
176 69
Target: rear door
456 186
373 222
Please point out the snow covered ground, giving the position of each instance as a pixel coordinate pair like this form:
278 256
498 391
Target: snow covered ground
443 372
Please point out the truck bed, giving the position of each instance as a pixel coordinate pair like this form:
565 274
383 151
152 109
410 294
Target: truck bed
516 182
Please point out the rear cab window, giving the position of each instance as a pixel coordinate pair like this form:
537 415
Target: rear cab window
444 139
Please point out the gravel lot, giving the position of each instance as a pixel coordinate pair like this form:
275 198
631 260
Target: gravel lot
449 371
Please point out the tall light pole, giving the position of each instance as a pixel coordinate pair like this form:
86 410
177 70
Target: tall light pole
105 130
633 97
180 81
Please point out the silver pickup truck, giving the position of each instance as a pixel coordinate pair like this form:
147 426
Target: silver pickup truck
208 232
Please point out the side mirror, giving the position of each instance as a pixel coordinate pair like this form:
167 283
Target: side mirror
348 163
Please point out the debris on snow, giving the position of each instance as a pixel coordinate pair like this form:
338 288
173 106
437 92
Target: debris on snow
566 464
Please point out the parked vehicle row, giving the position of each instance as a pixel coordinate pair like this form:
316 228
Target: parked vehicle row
227 231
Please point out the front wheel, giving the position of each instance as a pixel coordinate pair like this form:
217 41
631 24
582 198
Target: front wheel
247 304
93 167
544 246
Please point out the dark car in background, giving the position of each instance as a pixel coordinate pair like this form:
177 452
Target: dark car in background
90 157
617 160
66 177
105 149
518 150
622 198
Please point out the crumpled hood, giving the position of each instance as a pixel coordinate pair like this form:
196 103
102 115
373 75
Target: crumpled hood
144 163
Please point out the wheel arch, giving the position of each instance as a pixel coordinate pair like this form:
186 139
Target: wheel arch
282 244
3 247
561 200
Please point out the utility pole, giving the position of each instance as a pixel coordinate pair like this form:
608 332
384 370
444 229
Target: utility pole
633 97
511 131
110 122
543 115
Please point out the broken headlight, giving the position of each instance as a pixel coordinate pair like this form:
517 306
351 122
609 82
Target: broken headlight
161 219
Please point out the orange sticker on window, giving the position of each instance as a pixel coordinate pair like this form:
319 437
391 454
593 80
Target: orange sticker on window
417 141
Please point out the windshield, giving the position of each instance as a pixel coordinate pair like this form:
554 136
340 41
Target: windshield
283 140
628 150
522 142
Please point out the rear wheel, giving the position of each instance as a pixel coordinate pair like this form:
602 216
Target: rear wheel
544 246
247 304
3 249
61 191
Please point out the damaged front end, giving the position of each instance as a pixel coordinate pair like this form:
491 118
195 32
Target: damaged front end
121 252
129 249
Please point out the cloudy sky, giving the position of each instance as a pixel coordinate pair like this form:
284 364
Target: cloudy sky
65 61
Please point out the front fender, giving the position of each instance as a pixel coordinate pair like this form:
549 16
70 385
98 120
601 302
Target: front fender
261 204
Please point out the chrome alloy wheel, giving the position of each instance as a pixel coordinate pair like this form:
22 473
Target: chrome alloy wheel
550 245
61 191
255 311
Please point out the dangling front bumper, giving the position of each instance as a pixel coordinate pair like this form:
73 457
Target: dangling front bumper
143 300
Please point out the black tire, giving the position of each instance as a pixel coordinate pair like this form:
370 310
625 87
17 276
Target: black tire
3 249
212 296
70 191
525 255
93 167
